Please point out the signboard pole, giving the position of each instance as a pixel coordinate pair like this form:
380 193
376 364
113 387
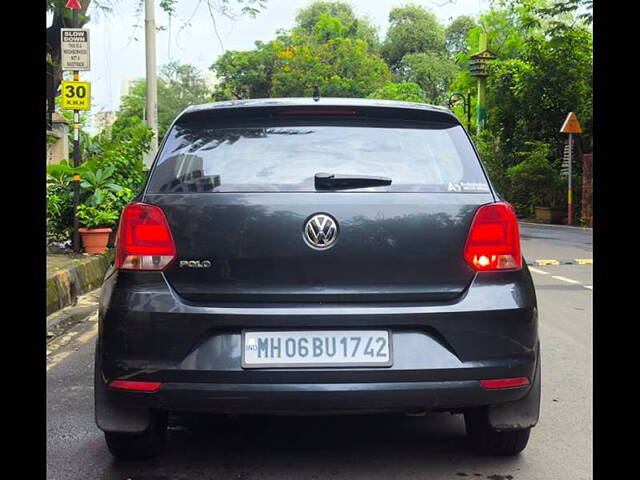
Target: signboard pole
570 185
570 126
76 157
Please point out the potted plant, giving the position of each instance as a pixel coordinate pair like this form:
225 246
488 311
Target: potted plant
96 227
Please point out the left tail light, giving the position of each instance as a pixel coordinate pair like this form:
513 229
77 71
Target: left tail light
145 242
493 242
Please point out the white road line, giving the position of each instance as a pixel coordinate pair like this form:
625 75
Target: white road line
564 279
541 272
84 338
590 287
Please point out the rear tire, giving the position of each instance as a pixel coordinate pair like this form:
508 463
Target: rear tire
127 446
484 439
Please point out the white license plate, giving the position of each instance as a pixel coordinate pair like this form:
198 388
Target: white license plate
320 348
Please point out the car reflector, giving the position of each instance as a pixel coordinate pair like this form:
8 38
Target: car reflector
504 382
135 386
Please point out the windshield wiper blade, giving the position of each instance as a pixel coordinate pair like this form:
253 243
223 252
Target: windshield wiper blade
331 181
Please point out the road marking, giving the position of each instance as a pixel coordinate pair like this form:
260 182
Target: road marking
546 261
537 270
584 261
82 339
590 287
564 279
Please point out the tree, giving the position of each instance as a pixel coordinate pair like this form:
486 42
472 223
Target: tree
294 62
245 74
352 27
412 29
432 71
342 67
179 86
407 92
455 35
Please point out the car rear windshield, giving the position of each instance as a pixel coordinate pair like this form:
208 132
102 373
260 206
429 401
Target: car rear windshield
281 156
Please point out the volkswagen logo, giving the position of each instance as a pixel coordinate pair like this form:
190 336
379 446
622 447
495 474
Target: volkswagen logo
320 231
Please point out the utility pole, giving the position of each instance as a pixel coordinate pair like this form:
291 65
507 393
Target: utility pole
152 85
75 241
479 63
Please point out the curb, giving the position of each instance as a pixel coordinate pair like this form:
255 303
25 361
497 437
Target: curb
552 225
84 275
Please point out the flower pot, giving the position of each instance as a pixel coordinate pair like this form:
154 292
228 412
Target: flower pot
94 240
550 215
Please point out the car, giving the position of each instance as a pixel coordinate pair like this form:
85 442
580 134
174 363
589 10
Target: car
317 256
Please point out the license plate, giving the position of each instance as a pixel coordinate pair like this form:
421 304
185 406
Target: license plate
321 348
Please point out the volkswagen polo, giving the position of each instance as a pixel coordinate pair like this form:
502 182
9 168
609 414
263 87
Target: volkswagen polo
317 256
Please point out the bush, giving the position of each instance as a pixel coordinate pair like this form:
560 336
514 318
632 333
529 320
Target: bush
534 181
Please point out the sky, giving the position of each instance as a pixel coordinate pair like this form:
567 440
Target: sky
117 39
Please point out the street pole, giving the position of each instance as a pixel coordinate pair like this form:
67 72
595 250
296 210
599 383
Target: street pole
76 157
482 82
152 86
469 111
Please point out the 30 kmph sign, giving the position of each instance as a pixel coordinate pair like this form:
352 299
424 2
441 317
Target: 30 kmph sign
75 49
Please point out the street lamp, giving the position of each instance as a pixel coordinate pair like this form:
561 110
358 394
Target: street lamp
466 105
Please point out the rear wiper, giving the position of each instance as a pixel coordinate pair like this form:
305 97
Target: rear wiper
331 181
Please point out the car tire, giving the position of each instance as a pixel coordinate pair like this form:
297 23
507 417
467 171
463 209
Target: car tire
127 446
485 439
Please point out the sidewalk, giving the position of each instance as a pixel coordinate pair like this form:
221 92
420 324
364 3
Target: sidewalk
72 275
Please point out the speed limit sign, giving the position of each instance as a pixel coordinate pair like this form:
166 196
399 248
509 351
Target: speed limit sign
76 95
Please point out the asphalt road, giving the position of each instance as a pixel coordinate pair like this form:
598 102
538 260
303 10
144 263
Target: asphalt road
364 447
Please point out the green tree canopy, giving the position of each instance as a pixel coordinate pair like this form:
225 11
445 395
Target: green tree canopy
456 34
432 71
407 92
294 62
351 26
412 29
179 86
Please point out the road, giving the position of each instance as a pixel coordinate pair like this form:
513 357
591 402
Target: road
364 447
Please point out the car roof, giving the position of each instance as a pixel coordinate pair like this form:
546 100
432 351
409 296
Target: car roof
308 101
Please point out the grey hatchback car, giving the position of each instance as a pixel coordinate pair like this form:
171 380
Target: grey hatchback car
304 256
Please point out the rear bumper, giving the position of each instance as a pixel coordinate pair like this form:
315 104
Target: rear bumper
148 333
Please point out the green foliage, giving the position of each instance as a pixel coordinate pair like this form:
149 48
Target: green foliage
407 92
321 18
59 204
534 181
342 67
456 33
97 217
179 86
434 73
99 183
412 29
294 62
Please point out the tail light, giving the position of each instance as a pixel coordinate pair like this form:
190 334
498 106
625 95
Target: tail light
494 240
144 239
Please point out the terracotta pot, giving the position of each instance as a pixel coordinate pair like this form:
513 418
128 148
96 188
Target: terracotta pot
94 241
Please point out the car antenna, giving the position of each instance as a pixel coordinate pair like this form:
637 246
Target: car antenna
316 92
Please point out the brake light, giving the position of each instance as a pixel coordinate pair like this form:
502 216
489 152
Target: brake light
144 239
494 240
504 382
317 111
135 386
